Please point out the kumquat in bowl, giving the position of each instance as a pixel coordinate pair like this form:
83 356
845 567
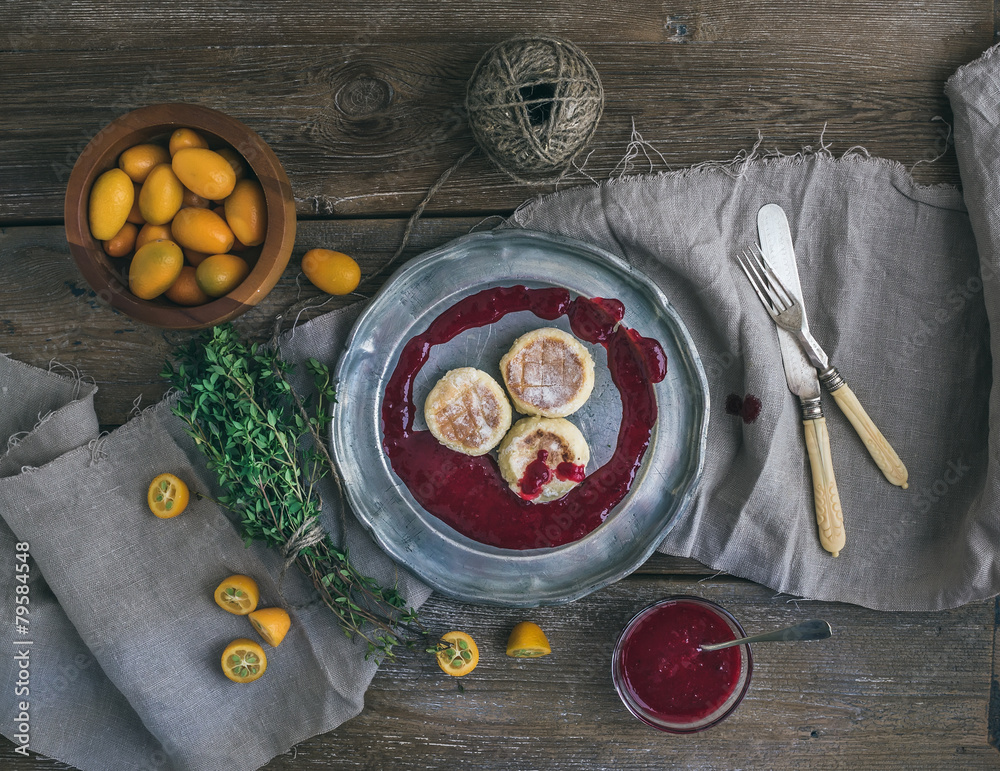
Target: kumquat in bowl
179 216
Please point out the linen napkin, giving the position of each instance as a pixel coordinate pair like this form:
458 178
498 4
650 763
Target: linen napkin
123 639
900 299
122 645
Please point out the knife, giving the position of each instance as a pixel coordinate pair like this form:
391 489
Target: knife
776 243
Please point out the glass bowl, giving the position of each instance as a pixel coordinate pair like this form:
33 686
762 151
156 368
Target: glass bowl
662 677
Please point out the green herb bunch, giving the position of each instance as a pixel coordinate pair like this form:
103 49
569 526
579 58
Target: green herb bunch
266 443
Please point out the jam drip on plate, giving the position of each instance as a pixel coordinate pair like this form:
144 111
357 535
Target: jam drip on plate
468 493
536 475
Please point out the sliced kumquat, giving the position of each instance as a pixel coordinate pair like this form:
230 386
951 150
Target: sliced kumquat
243 661
527 641
238 594
271 623
457 653
167 496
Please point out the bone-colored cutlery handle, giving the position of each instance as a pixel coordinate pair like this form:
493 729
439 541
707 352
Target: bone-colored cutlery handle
877 445
829 517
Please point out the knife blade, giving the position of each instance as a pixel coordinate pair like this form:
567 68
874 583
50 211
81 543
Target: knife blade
772 225
800 374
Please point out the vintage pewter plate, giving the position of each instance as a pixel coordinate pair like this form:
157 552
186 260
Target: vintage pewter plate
430 284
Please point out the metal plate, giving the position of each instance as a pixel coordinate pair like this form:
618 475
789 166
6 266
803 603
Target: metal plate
430 284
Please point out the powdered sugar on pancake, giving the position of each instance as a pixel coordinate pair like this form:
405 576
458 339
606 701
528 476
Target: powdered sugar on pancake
467 411
548 373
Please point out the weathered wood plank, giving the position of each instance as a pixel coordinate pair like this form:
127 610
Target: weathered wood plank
49 313
889 690
886 690
363 105
365 128
59 26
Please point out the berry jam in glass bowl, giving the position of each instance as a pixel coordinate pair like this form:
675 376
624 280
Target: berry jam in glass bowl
666 680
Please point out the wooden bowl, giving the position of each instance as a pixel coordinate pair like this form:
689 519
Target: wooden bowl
142 125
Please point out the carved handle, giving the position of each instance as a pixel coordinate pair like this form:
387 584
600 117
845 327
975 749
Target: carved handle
829 518
880 449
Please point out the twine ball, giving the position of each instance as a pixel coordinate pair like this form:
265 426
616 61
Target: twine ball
533 105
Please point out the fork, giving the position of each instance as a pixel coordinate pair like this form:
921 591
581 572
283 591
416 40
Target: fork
787 312
783 306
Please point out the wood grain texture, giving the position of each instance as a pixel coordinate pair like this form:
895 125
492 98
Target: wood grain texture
887 691
48 313
362 102
823 704
365 118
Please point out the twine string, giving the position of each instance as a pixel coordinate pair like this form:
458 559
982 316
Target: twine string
410 223
309 533
502 108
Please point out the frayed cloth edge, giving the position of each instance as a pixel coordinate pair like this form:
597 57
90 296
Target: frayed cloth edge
962 72
746 160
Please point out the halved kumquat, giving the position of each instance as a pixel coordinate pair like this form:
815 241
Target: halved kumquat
527 641
457 653
167 496
272 624
238 594
243 661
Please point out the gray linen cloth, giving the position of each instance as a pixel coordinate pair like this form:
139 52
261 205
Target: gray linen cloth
900 299
125 639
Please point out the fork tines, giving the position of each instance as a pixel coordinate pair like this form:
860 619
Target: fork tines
771 291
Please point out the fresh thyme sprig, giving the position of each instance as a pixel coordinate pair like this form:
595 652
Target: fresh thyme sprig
267 445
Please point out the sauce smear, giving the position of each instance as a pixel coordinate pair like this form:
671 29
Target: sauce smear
536 476
666 673
468 493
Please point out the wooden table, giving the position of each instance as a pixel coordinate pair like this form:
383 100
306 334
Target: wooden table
363 104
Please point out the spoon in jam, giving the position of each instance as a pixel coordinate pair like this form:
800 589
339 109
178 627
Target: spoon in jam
814 629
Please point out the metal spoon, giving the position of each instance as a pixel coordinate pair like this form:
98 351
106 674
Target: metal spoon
814 629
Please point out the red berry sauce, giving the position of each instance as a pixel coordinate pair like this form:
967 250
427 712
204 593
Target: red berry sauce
665 672
570 472
468 493
536 475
